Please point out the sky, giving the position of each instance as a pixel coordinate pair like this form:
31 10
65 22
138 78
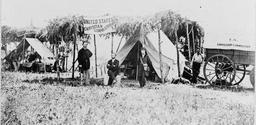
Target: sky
221 19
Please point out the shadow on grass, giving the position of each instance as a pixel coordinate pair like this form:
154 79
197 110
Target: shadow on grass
93 81
65 81
226 88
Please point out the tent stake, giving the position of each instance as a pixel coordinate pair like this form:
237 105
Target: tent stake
189 51
95 49
74 54
160 56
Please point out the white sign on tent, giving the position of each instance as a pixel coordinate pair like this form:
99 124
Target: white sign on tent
99 25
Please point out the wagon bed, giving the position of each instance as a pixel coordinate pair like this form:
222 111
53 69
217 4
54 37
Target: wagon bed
226 64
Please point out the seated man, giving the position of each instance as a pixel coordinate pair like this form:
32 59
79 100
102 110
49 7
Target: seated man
113 69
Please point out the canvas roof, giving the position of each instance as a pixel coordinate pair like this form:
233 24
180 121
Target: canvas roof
37 45
150 42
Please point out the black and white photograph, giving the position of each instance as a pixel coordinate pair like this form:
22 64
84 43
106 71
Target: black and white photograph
128 62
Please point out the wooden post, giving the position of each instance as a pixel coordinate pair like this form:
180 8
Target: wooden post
193 38
112 41
74 56
95 50
178 55
189 50
160 56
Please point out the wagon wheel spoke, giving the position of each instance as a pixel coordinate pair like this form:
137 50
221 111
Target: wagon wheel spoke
210 74
211 65
211 69
221 76
238 76
235 80
230 78
227 67
222 59
226 76
211 78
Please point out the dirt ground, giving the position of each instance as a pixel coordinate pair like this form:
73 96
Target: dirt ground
29 99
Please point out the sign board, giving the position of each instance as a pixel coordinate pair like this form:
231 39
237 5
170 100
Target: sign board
100 25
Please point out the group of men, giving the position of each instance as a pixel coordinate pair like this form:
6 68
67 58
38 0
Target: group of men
85 54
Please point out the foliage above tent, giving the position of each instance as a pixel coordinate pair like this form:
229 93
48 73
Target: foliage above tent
10 34
64 28
167 21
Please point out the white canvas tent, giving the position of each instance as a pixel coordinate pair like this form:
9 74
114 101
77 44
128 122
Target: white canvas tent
46 55
150 42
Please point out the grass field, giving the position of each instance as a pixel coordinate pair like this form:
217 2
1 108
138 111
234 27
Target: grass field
28 103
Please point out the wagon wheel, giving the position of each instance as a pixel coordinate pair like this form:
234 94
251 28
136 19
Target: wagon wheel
240 74
219 70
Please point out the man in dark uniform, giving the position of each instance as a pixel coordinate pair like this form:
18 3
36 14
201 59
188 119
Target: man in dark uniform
84 55
143 67
113 69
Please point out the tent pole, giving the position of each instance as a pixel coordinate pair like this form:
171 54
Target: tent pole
178 55
119 44
137 67
189 50
194 46
24 46
95 50
57 65
202 43
112 41
160 56
74 54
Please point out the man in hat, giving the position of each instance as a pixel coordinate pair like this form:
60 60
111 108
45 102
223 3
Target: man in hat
113 69
143 67
84 55
196 62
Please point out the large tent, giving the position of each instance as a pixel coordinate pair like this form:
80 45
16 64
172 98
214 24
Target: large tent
130 51
39 47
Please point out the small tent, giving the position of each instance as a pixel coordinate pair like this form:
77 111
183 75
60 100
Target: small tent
46 55
129 53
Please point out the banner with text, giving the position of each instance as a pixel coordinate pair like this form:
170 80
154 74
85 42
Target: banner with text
100 25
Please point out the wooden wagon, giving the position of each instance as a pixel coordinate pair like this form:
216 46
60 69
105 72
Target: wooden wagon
226 64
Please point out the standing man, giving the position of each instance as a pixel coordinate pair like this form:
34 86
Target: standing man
143 67
84 55
196 62
113 69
